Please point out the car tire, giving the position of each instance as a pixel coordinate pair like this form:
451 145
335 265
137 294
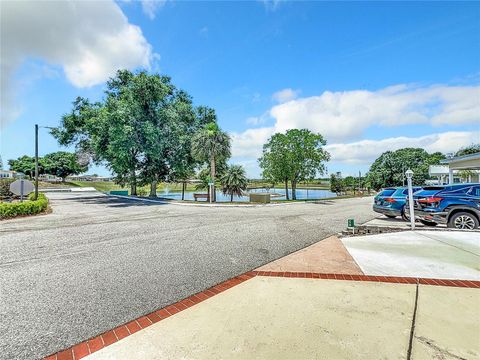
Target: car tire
428 223
390 216
463 220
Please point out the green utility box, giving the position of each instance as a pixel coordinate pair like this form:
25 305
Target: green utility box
119 192
260 198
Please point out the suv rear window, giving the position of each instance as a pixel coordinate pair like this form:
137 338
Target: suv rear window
387 192
456 191
415 189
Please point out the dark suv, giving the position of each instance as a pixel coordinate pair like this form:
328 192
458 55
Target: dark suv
457 205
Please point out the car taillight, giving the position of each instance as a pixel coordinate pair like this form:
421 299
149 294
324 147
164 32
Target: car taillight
430 200
390 200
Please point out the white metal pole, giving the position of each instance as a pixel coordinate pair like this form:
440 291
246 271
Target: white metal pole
410 202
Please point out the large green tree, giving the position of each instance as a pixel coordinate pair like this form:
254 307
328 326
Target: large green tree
234 181
275 161
139 130
187 120
389 168
297 155
212 145
63 164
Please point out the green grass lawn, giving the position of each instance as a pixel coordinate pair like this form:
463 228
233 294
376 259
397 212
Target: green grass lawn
45 184
106 186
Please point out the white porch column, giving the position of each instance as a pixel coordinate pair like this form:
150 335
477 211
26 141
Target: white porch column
450 176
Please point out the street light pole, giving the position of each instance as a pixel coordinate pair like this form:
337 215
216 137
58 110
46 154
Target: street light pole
36 161
409 175
36 156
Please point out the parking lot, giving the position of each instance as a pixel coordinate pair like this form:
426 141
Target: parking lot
97 262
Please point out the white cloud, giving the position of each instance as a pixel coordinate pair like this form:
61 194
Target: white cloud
345 115
285 95
150 7
342 117
247 147
89 40
249 143
366 151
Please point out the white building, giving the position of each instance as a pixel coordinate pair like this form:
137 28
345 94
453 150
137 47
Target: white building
7 174
448 171
49 178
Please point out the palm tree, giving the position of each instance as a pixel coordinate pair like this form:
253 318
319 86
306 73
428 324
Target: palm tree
234 181
211 144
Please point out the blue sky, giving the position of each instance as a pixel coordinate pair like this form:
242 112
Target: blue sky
370 77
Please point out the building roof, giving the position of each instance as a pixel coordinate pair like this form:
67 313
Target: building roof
471 162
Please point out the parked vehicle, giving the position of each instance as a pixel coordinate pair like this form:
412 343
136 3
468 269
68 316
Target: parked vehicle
457 205
391 201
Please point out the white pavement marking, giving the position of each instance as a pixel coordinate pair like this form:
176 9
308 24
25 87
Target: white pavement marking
429 254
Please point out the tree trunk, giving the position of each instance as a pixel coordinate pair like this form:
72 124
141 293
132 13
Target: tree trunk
286 189
153 189
133 184
212 175
231 197
183 190
294 188
63 179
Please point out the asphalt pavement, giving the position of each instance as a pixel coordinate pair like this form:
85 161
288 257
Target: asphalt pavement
97 262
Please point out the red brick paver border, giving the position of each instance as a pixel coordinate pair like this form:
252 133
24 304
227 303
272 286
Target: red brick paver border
374 278
89 346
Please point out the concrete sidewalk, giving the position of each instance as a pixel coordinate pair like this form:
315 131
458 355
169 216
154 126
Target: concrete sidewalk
317 303
279 318
295 318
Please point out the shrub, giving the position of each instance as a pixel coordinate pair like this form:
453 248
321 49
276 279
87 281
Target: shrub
5 188
28 207
141 191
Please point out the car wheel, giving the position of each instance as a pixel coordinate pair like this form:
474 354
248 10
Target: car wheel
404 216
463 220
390 216
428 223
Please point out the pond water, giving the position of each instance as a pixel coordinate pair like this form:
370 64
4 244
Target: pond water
277 194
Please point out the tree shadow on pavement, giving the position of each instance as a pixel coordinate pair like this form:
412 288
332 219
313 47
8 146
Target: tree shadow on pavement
112 201
323 202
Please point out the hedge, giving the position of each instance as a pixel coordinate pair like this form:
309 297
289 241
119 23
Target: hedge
28 207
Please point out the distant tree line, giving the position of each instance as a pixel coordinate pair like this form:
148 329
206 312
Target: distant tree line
389 168
61 164
349 184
